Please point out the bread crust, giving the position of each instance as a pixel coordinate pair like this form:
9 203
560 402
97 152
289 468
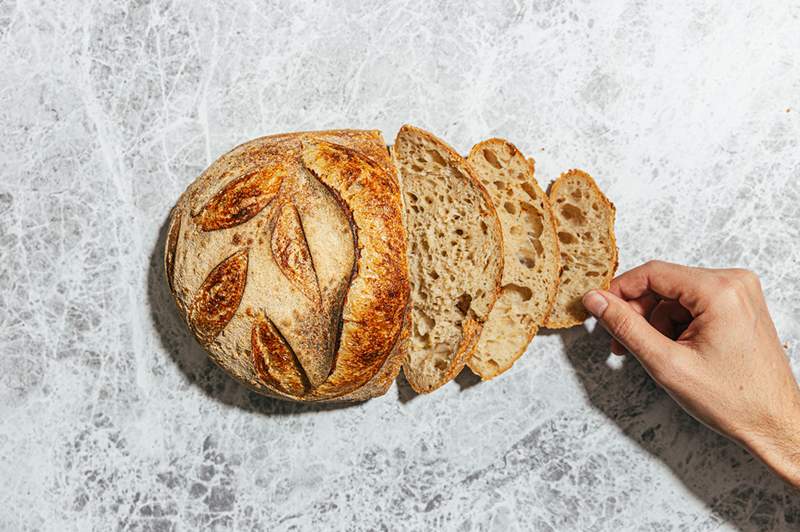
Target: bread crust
230 208
606 280
533 328
471 327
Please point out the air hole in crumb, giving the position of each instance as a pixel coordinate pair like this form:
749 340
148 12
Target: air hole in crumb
423 323
463 303
534 218
491 158
428 200
412 197
437 157
567 238
588 237
592 274
515 230
526 259
595 207
434 275
484 228
510 207
416 168
571 212
528 188
538 246
520 293
500 185
560 200
576 194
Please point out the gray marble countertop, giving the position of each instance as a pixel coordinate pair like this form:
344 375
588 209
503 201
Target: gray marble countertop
687 113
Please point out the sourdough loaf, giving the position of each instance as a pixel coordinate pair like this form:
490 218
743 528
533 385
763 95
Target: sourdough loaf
455 256
287 258
585 224
532 264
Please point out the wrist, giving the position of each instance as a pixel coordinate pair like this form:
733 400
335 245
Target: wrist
779 449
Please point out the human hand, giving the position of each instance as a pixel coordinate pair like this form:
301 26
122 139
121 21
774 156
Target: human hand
706 337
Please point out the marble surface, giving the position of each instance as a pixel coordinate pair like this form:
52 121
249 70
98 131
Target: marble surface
688 114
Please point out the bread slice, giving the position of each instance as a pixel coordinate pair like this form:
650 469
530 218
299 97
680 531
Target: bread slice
455 256
532 263
585 225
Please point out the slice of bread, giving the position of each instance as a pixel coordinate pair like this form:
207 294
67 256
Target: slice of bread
455 256
585 225
532 263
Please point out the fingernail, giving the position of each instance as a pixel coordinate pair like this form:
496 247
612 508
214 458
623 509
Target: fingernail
595 303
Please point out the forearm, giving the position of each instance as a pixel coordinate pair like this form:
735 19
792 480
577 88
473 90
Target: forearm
780 451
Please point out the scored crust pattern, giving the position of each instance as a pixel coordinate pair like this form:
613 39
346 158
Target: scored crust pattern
290 251
346 338
274 361
218 298
242 199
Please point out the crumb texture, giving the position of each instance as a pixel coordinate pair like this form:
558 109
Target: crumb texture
532 263
585 228
455 255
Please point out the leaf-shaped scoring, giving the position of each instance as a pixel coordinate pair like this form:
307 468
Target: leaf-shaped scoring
274 361
290 251
219 296
241 199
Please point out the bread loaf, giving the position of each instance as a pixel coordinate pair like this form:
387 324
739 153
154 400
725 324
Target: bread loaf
455 256
532 264
301 261
585 224
287 258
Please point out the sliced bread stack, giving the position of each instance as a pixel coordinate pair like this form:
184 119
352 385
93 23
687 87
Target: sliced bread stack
455 255
492 257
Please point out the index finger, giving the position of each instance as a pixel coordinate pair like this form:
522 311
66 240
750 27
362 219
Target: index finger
691 287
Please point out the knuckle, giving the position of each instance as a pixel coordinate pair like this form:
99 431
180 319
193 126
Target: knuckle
748 278
733 286
729 293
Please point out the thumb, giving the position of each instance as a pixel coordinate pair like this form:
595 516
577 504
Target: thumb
628 327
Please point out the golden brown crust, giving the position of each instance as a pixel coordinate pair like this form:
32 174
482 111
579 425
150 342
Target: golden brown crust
257 200
383 380
275 363
606 281
218 297
376 302
241 199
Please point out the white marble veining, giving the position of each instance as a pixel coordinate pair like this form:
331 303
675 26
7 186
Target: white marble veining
688 114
